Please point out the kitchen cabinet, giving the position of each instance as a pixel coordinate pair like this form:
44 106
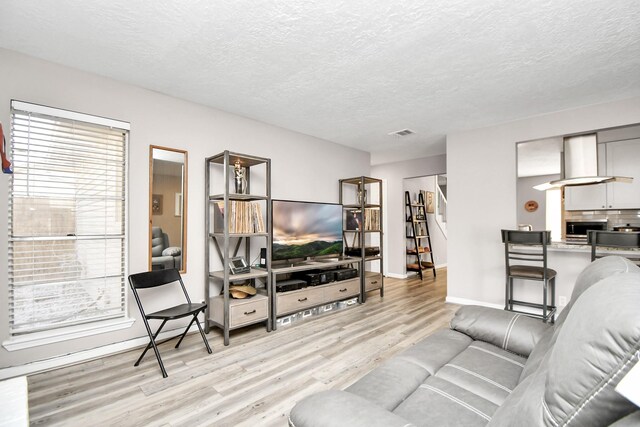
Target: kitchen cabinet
619 158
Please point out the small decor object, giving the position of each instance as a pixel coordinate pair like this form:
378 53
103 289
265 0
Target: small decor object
362 195
6 164
238 265
531 206
156 204
240 180
242 291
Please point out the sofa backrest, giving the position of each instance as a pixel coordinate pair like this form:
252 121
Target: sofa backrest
592 274
598 344
577 366
159 241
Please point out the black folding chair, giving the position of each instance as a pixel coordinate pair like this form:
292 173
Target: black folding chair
152 279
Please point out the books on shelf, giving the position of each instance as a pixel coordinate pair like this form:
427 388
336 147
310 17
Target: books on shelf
245 217
354 219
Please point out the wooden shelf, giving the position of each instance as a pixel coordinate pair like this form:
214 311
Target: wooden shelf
415 267
421 250
239 197
221 235
255 273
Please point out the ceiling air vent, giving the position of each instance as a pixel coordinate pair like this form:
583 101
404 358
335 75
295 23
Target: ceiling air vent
403 132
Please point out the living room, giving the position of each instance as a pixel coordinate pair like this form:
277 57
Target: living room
477 150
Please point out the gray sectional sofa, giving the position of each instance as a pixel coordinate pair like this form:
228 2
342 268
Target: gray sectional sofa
498 368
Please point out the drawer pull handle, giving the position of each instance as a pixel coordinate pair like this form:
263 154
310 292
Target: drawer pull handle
246 313
302 299
374 282
343 290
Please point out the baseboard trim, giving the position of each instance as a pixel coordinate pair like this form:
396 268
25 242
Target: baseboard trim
84 356
465 301
396 276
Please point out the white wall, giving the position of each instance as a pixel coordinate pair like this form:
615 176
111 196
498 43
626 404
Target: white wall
481 171
303 167
438 239
394 175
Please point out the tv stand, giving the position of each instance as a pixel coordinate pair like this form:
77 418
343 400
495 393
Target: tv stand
285 303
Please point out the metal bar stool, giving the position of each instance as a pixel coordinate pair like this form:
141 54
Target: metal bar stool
614 239
535 254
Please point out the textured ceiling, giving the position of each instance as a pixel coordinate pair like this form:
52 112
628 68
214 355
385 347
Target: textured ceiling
349 71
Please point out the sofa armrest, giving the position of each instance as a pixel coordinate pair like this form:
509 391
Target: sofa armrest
172 251
340 408
511 331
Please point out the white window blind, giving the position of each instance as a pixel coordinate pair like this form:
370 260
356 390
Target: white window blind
67 231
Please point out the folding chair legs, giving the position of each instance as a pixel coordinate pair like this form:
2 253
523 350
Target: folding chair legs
204 338
152 341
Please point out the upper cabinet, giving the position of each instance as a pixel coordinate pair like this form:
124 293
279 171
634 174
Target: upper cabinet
620 159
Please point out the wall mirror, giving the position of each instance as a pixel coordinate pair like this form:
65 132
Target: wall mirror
167 208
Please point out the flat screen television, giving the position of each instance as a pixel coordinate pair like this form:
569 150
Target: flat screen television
303 230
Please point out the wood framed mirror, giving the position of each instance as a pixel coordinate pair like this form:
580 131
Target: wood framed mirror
167 208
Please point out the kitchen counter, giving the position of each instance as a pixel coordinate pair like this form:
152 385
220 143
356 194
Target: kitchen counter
575 247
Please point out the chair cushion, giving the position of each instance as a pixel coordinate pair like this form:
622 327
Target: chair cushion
530 272
177 311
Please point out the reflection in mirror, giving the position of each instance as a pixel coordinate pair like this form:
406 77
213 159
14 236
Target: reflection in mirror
167 208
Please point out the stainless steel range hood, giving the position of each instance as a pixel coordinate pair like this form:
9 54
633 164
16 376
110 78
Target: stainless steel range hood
580 164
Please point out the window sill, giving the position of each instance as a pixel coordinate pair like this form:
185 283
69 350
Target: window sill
36 339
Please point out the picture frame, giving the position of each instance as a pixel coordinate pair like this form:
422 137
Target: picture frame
429 202
156 204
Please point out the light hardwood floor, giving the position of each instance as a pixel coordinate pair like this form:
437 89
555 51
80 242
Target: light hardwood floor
256 380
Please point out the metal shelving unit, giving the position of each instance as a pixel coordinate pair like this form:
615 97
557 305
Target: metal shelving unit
361 199
223 311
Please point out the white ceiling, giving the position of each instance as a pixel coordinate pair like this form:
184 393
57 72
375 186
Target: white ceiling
349 71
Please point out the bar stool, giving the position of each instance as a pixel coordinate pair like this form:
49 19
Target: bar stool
614 239
534 252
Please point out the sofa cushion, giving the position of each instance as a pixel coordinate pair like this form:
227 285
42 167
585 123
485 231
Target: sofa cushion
438 402
339 408
486 370
390 383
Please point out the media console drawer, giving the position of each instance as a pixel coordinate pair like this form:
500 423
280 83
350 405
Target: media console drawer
372 280
241 311
340 290
297 300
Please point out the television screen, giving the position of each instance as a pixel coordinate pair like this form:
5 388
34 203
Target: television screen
306 229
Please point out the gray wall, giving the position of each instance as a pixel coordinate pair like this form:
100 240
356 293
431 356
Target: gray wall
161 120
481 171
394 174
526 192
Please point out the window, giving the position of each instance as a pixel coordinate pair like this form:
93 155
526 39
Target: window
67 210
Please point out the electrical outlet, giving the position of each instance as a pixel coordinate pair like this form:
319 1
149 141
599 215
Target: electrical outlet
562 301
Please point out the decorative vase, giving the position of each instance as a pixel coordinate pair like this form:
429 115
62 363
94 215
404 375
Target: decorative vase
239 179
